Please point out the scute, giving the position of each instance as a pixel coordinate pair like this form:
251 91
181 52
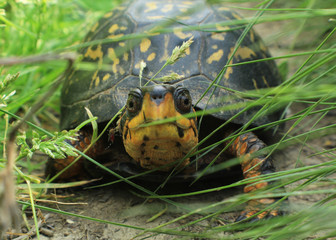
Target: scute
104 91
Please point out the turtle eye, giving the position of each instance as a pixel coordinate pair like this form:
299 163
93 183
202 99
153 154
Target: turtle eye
182 100
133 104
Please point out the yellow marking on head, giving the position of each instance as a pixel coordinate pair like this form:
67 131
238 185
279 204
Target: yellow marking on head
150 6
113 28
151 57
218 36
145 44
216 56
111 55
94 27
125 56
107 15
94 54
180 34
167 7
163 144
107 76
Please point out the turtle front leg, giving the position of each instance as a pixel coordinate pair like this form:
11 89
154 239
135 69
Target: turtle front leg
243 147
77 170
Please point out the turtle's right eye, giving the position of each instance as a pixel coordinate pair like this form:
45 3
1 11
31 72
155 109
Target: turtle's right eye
133 104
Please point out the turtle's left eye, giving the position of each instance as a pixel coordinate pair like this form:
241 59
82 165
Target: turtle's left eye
182 100
133 104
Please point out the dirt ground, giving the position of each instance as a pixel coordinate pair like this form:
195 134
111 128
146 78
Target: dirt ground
118 203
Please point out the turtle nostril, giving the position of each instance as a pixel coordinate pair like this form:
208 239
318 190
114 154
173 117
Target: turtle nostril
158 94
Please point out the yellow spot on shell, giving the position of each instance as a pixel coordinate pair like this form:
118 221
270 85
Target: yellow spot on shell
218 36
150 6
94 27
97 81
245 52
167 8
120 8
187 2
252 36
223 9
180 34
113 28
265 81
236 16
137 65
93 79
107 76
151 57
214 46
154 17
122 44
125 57
216 56
94 54
107 15
255 83
187 51
111 55
222 28
186 17
145 44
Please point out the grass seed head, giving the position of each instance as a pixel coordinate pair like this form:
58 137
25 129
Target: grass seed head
179 52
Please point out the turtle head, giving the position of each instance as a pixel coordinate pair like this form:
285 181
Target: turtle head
154 129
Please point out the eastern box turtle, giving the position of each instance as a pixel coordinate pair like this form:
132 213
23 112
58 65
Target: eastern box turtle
130 34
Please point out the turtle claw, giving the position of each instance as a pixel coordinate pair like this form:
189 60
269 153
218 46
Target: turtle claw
264 215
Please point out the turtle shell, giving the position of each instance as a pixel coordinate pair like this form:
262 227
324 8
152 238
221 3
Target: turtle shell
130 34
